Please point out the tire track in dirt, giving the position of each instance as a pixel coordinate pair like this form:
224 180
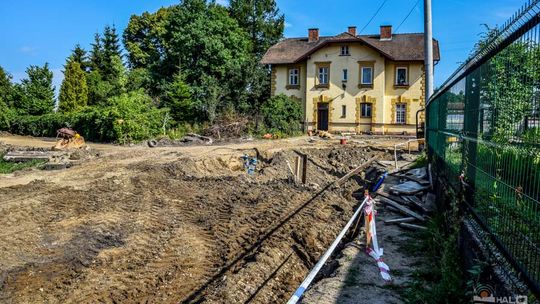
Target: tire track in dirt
158 232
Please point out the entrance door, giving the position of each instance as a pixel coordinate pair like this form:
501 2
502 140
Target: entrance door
322 116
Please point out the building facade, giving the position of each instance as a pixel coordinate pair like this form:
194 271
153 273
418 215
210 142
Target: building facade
353 83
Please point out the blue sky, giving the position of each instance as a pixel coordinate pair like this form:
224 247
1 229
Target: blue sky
37 31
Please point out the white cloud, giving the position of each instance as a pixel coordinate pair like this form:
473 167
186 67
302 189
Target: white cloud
223 2
288 25
28 50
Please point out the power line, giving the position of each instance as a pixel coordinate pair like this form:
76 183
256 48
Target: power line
372 17
406 17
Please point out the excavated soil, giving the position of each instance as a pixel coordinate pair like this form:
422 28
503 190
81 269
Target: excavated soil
170 226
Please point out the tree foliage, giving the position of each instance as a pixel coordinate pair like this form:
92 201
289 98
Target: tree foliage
261 19
74 90
282 114
191 62
178 98
80 56
37 90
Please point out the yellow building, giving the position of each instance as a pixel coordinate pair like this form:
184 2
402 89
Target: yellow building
353 83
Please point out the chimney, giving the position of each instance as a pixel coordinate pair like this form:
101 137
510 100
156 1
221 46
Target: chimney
352 30
313 34
386 32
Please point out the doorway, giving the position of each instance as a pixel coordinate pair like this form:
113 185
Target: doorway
322 116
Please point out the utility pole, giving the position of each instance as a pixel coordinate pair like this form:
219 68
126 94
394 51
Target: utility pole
428 49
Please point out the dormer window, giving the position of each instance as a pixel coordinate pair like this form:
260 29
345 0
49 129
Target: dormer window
345 50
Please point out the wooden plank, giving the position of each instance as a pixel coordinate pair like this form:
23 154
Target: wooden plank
401 208
416 202
297 169
412 226
357 170
400 220
304 169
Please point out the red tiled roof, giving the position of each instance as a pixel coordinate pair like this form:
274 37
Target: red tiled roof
402 47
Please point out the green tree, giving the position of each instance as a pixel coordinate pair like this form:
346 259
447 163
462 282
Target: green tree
178 99
261 19
97 56
210 49
37 91
6 87
282 114
80 56
98 89
111 51
144 39
74 90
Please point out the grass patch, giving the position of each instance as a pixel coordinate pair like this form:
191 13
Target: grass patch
440 279
10 167
420 162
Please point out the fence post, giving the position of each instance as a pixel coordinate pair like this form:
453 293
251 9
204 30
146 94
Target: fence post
470 130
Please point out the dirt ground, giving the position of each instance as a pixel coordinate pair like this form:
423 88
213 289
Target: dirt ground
174 224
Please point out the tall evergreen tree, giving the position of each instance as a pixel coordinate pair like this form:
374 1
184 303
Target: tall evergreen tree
97 54
37 91
111 49
80 56
74 90
261 19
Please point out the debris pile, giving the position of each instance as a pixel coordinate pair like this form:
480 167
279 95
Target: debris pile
407 194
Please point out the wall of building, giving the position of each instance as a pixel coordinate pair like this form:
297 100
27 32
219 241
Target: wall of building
383 95
413 96
350 96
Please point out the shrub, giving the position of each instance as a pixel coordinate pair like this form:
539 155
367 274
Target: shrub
282 114
129 117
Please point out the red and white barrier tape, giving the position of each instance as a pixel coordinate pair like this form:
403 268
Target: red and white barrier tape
371 234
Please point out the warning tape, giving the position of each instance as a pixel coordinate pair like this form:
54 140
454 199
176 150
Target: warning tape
371 234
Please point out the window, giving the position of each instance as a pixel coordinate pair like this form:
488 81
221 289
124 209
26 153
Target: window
345 50
366 69
365 109
322 72
402 79
401 112
294 76
323 75
345 75
367 75
343 111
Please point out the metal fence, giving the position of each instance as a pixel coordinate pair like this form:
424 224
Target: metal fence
483 135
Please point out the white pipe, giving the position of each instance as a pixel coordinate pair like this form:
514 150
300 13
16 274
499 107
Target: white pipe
305 284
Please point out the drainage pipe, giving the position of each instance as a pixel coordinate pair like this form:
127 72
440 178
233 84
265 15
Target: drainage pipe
305 284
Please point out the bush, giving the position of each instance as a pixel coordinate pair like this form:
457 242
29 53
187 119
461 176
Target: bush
129 117
282 115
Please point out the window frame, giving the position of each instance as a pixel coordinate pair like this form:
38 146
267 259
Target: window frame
401 67
345 50
399 105
362 75
343 111
345 75
318 67
289 85
362 65
365 105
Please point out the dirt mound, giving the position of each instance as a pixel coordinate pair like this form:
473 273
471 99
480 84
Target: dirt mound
194 229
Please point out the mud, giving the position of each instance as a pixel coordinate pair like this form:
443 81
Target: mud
184 228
